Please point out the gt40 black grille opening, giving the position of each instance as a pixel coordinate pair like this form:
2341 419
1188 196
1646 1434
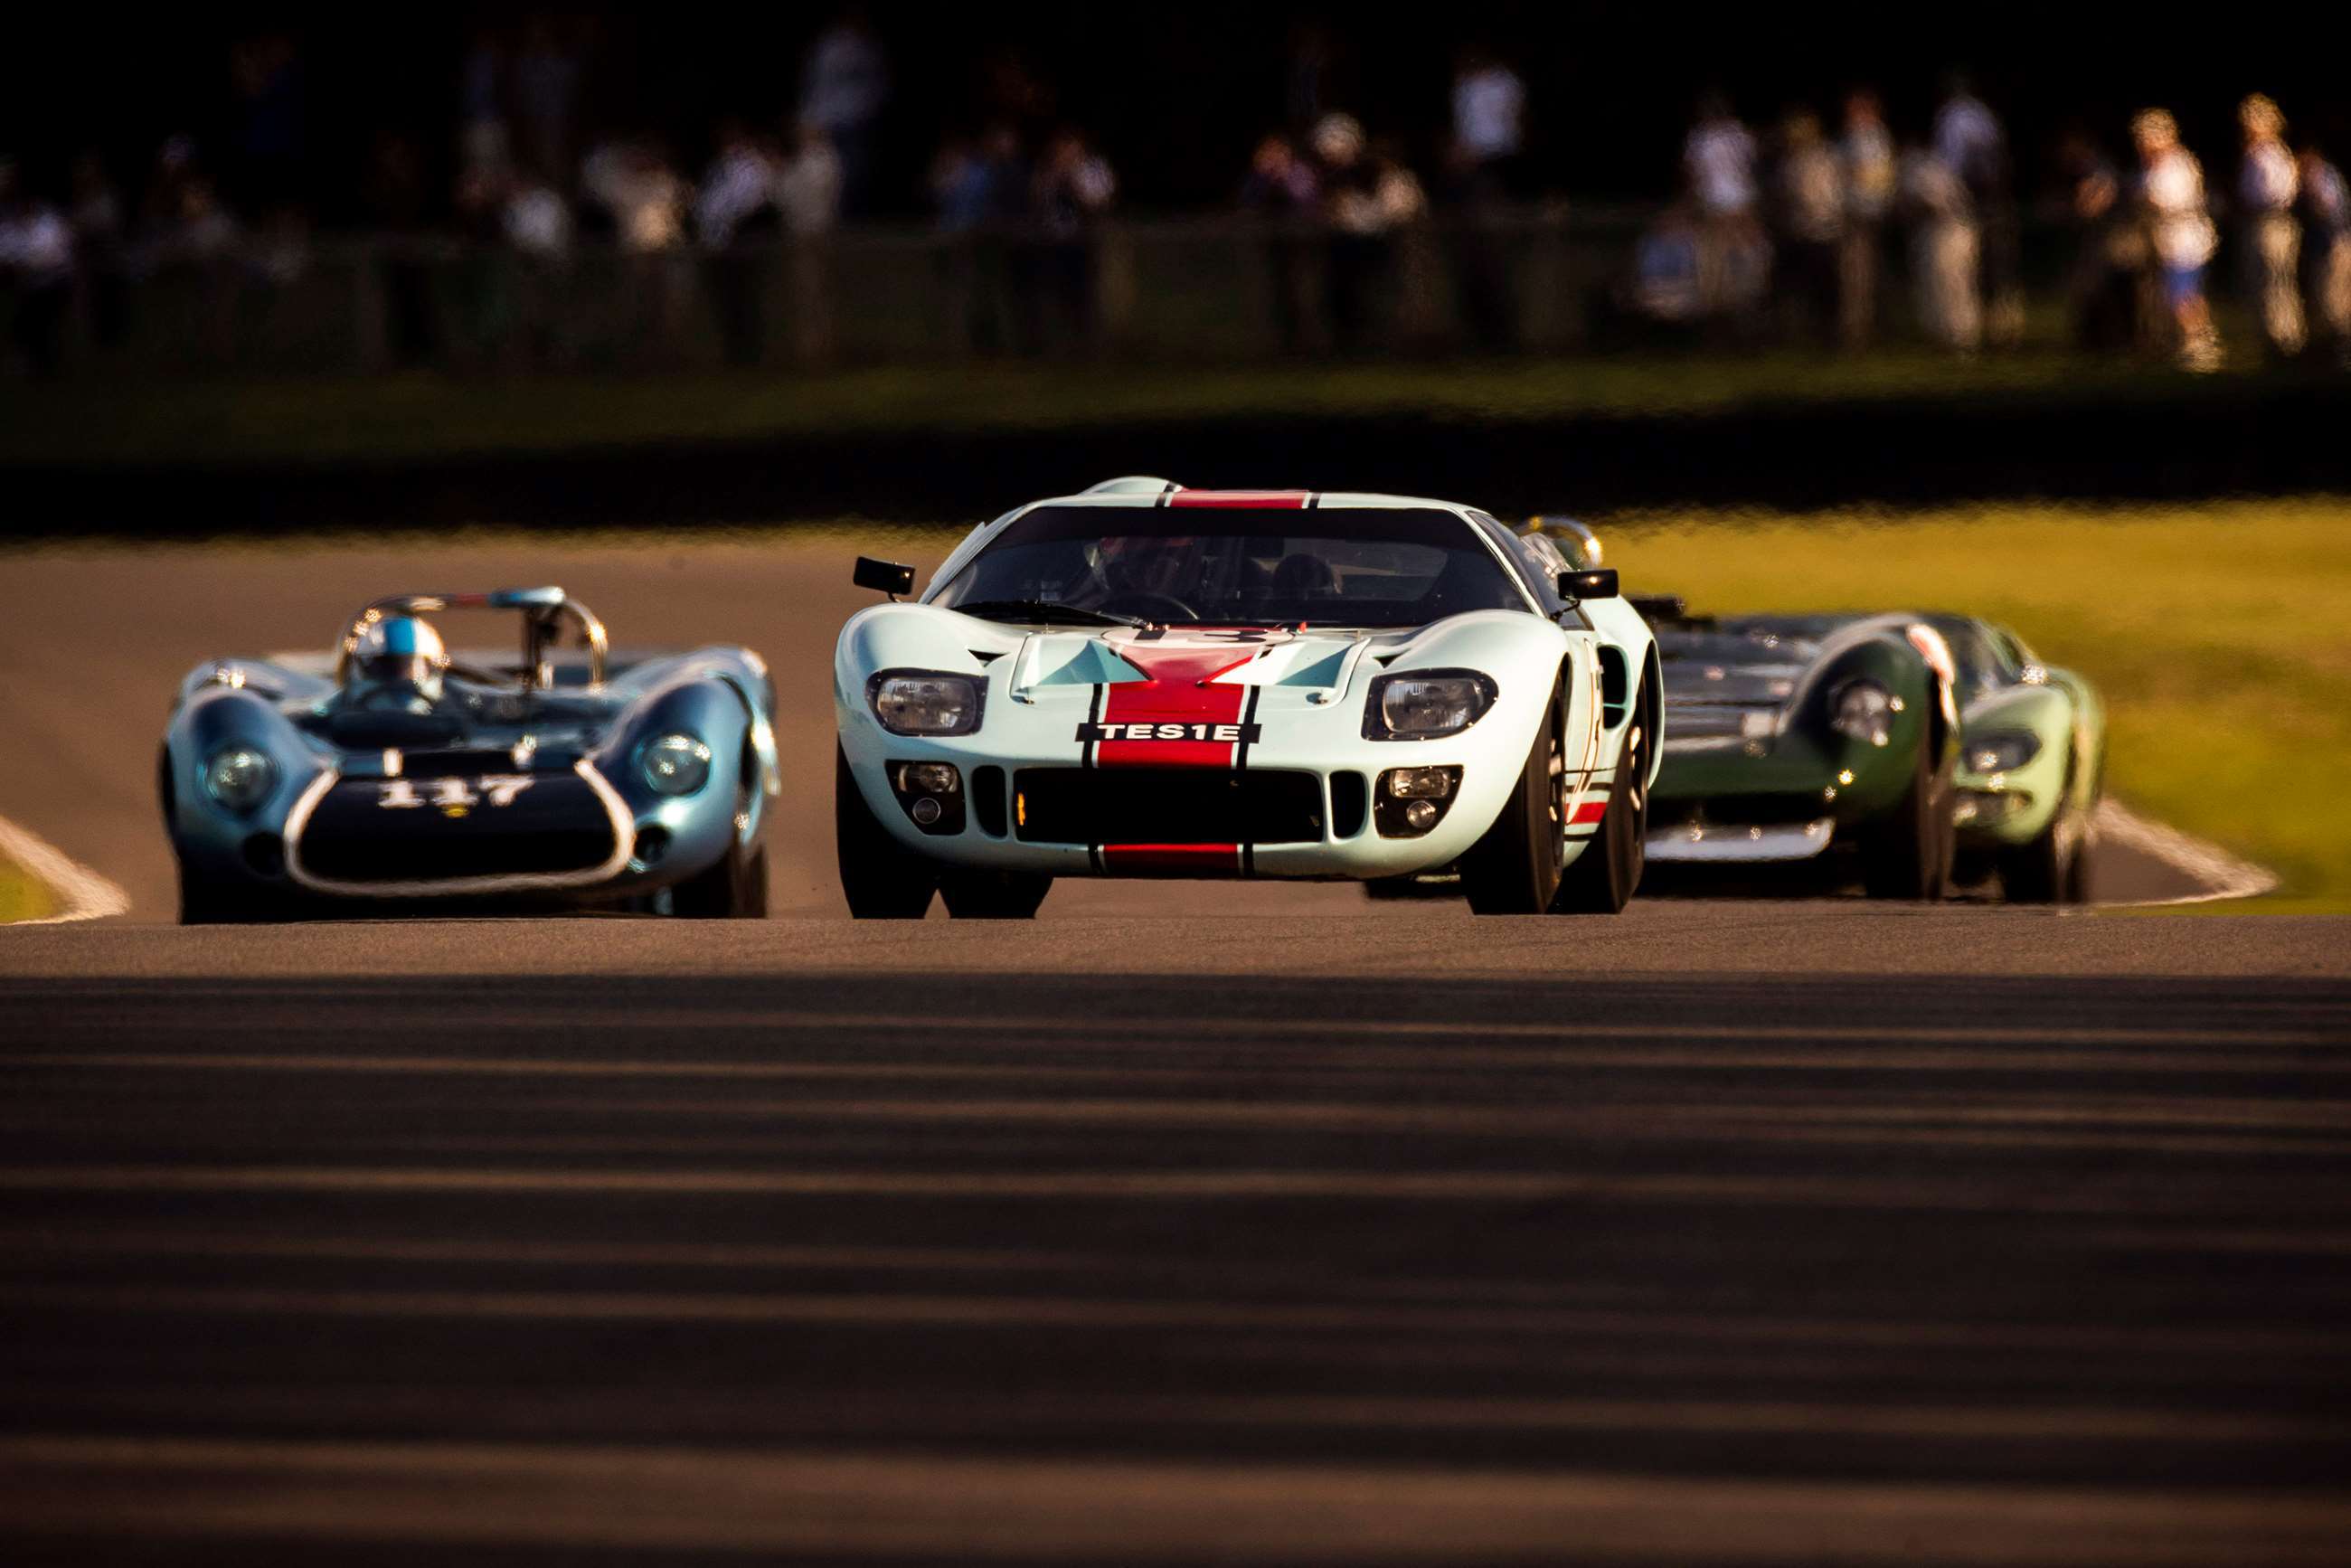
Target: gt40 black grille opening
1349 791
988 799
1167 806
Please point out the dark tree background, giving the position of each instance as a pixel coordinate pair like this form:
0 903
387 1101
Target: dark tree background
1176 95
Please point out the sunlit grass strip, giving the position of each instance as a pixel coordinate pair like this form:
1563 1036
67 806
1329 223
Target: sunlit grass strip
22 896
2219 633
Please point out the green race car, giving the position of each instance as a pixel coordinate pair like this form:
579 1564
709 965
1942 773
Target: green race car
1795 737
1928 749
2033 757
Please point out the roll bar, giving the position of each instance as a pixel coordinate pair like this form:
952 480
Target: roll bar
543 611
1576 541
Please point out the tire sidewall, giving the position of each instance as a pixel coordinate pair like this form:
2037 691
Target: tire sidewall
880 878
1603 879
1516 867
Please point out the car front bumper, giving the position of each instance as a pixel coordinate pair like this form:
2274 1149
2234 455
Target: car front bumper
1050 816
1719 843
1310 817
2002 811
607 845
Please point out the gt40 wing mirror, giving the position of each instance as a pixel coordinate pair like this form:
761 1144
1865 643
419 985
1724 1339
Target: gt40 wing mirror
1599 583
883 576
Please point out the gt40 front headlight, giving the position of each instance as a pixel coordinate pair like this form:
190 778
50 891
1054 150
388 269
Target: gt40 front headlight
675 765
925 702
1864 710
239 779
1426 704
2000 750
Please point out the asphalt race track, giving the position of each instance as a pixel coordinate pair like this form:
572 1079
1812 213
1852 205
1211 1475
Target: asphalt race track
96 641
1161 1231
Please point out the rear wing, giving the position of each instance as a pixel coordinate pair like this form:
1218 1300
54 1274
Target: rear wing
544 613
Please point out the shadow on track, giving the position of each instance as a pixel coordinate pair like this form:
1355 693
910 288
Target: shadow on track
2008 1232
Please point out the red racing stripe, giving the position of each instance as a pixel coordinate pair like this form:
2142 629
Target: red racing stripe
1179 692
1171 860
1588 811
1270 499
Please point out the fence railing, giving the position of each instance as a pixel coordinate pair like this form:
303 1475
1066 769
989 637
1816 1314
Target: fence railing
1537 280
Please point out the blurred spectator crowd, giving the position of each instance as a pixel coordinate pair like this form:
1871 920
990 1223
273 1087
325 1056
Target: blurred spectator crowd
1825 231
1808 227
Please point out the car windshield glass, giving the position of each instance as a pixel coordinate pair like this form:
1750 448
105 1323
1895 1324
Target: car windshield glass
1339 566
1972 655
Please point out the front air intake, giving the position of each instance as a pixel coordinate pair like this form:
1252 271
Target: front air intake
1167 806
988 799
1349 795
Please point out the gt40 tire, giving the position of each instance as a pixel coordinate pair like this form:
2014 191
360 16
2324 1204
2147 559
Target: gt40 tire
1909 855
1515 868
972 894
881 879
1602 880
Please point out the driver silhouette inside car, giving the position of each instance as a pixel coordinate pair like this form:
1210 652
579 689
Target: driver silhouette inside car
393 687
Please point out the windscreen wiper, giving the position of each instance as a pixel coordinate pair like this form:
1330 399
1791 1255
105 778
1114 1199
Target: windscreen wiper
1043 610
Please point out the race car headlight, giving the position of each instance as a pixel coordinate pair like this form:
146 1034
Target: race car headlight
922 702
239 779
1864 710
2001 751
1426 706
675 765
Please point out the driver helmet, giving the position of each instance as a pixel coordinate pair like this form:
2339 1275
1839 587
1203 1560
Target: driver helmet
401 652
1144 563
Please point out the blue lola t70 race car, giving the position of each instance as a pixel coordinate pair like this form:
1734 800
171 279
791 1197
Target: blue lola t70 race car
386 774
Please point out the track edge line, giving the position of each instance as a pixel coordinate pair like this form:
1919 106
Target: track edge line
81 892
2226 877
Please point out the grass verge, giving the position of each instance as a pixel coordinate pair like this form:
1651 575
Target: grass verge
2221 635
22 896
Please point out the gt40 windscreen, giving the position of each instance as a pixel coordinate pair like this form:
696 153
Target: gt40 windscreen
1332 566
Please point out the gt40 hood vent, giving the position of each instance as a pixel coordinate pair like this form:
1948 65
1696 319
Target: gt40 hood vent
1240 657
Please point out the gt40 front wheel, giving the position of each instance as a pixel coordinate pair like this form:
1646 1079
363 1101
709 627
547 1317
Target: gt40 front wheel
1515 868
881 879
974 894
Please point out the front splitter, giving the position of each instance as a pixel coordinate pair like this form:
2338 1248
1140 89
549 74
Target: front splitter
1733 843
